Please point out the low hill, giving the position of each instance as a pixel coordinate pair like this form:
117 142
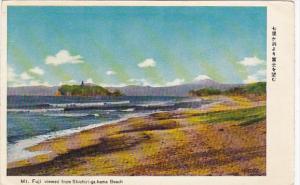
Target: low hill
256 89
80 90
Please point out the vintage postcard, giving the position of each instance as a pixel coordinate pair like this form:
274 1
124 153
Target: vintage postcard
147 92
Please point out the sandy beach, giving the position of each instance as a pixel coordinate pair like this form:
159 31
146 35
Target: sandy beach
227 137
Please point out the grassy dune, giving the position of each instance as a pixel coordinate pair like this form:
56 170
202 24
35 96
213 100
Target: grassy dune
227 137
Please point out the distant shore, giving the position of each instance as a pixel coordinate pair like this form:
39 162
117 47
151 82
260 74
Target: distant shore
227 137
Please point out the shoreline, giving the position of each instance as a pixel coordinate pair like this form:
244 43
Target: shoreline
18 152
22 145
147 138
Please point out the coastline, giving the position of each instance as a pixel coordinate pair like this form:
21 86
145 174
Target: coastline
196 140
20 146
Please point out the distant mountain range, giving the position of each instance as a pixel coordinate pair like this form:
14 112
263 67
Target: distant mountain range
32 91
178 90
130 90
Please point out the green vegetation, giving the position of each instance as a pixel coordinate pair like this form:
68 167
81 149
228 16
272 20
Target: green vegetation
82 90
205 92
244 117
258 89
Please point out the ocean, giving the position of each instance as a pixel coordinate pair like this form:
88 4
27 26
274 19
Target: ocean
33 119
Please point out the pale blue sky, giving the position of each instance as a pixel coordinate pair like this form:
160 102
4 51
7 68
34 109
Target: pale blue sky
135 45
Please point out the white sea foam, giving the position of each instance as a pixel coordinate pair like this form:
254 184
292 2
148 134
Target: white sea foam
157 104
71 115
89 104
35 110
110 110
128 110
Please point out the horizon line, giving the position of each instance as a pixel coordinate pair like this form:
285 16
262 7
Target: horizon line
126 85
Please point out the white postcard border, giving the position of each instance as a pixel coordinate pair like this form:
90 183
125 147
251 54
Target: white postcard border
280 98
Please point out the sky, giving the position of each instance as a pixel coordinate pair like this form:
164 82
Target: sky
117 46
